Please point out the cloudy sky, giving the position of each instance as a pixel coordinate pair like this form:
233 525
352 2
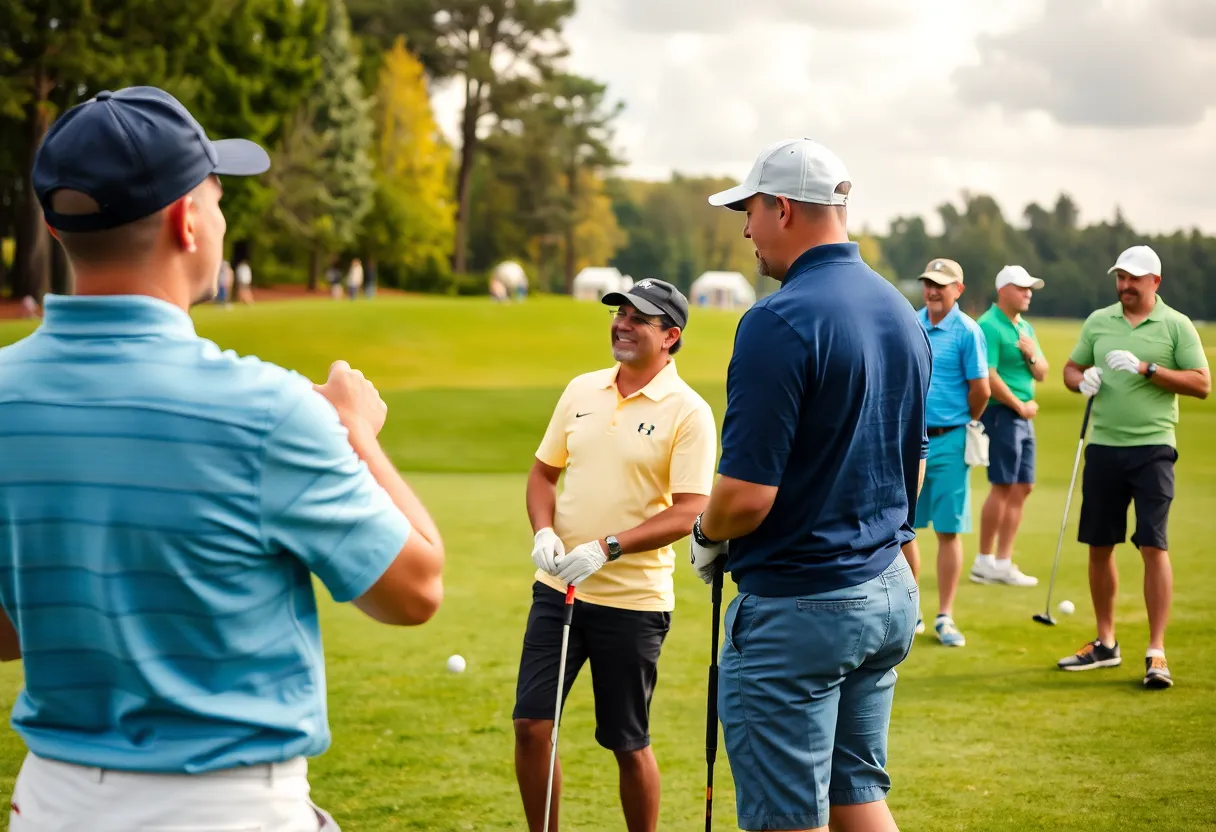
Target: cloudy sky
1112 101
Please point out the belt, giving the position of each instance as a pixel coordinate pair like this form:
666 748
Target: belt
932 432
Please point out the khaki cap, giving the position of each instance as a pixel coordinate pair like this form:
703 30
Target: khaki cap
943 272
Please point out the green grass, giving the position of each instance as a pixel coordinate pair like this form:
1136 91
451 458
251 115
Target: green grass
990 737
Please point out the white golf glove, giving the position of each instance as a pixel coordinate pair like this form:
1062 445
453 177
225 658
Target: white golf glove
581 563
703 557
1091 380
546 549
1123 360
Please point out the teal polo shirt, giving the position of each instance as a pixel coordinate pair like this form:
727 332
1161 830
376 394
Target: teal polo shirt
163 507
959 357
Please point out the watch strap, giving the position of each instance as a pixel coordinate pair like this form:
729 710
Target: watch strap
699 536
614 547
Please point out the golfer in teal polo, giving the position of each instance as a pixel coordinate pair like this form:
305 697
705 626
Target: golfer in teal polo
958 393
1134 358
1015 363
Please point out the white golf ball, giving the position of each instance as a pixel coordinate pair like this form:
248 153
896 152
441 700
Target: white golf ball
456 664
1067 607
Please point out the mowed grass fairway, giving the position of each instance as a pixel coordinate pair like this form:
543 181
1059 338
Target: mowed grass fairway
987 737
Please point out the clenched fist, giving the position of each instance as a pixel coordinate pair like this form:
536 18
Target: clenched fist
359 406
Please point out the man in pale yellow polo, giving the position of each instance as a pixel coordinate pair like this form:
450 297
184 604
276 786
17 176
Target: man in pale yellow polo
638 447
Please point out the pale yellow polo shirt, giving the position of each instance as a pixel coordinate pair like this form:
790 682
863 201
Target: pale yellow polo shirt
623 459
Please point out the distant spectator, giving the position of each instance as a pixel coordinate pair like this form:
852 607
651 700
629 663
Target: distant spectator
29 307
244 282
354 278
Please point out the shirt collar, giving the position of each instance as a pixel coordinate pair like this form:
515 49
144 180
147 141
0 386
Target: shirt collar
113 315
660 386
997 310
948 322
821 255
1158 313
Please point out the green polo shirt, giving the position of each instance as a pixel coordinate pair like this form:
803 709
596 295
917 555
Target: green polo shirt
1001 334
1129 409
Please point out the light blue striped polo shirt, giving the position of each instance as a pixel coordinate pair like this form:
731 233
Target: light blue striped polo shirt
163 506
959 356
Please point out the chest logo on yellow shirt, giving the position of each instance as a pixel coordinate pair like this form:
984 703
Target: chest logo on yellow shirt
645 429
581 415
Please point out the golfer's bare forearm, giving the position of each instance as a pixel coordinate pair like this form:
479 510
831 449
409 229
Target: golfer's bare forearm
1001 391
10 644
542 495
666 527
1073 373
978 394
382 468
1197 383
1038 370
920 477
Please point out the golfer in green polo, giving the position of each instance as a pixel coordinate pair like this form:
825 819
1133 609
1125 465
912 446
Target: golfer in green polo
1135 358
1015 363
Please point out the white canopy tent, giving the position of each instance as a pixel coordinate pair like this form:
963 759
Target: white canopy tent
593 282
726 290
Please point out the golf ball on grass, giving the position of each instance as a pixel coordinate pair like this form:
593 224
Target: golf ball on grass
456 664
1067 607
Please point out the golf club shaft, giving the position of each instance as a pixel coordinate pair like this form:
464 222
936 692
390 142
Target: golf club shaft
557 709
711 708
1072 482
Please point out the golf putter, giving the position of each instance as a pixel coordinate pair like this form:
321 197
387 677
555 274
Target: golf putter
1045 617
557 709
711 707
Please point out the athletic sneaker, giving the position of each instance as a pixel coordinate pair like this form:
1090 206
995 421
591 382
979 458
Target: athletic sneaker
1157 673
947 633
1091 656
920 625
1011 576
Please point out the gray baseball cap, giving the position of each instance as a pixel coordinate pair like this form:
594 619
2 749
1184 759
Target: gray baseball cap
653 297
799 169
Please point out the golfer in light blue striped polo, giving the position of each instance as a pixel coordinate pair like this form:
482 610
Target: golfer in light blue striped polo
164 506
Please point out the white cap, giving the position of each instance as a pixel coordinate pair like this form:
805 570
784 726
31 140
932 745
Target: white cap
797 169
1018 276
1138 260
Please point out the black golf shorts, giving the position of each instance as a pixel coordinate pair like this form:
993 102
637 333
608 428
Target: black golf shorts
1117 476
623 649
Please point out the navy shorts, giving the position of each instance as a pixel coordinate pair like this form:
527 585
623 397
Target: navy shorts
805 691
1010 445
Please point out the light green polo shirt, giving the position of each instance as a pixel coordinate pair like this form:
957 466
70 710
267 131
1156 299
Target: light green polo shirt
1129 409
1001 334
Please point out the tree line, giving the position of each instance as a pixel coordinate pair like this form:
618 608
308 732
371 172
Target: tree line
340 93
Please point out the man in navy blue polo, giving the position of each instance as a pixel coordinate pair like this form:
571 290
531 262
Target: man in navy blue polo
823 445
164 505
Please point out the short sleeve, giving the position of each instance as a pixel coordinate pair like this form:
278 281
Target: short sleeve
692 457
992 340
975 354
765 382
1083 352
321 503
553 451
1188 349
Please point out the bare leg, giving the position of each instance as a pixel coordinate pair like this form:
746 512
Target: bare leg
639 789
1012 519
1103 584
912 556
1158 591
992 516
863 817
533 742
949 567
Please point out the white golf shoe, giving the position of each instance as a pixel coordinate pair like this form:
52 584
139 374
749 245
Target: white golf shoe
1009 575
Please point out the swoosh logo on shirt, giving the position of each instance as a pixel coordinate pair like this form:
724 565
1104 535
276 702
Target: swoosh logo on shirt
581 415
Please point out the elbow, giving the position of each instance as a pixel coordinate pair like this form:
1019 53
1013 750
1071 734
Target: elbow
425 605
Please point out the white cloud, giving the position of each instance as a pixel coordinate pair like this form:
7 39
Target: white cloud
921 105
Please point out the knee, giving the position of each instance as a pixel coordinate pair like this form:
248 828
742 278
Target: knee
1024 489
533 733
1152 554
633 759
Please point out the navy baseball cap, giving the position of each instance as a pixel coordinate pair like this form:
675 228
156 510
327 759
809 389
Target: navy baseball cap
653 297
134 151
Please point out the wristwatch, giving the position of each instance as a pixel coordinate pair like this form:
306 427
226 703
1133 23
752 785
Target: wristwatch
1149 370
1033 359
614 548
699 536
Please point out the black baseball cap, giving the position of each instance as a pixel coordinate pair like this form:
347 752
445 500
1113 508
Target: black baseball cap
134 151
653 297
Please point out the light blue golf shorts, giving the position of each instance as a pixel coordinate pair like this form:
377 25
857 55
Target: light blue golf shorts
805 692
945 498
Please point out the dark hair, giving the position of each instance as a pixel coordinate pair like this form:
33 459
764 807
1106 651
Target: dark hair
666 322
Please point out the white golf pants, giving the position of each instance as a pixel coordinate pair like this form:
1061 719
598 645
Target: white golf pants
50 796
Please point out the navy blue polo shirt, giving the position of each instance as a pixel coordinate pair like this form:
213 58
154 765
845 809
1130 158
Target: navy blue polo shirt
826 400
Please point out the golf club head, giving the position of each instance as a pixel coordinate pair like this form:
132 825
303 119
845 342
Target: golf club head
1045 618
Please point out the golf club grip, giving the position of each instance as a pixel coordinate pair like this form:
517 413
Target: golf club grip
711 724
569 612
1089 406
